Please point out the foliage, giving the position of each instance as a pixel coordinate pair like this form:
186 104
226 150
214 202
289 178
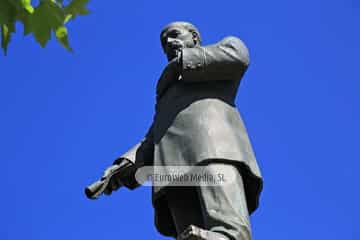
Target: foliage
49 16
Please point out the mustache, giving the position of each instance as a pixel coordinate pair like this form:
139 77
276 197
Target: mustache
174 47
175 43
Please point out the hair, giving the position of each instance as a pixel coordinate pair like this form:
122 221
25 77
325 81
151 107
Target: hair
188 26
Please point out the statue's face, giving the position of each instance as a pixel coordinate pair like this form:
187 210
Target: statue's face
175 38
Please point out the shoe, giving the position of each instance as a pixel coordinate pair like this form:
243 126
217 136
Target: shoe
195 233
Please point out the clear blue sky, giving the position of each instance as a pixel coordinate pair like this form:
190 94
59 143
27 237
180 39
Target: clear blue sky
65 117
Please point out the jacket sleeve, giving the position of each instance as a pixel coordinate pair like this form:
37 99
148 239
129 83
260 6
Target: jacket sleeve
142 154
226 60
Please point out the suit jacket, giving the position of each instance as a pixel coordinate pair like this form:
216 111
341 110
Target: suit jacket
196 120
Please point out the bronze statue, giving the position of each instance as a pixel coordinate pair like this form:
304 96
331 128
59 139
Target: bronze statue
196 123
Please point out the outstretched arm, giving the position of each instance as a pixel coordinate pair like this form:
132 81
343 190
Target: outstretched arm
122 172
142 154
226 60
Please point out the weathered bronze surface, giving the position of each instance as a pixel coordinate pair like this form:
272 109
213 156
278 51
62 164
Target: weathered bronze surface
197 123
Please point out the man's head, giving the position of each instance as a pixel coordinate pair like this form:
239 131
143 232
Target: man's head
179 35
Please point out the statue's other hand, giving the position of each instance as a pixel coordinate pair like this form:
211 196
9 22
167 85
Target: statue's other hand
114 184
123 175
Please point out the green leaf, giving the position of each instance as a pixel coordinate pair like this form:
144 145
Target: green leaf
47 16
58 2
77 8
26 20
7 12
15 3
62 35
27 6
6 31
67 18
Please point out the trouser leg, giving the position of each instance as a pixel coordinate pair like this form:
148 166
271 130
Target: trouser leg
221 209
224 206
185 207
186 211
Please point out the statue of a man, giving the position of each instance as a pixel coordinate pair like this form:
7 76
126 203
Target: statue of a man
196 123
